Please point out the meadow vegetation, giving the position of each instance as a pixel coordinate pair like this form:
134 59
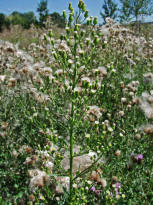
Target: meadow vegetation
76 116
24 37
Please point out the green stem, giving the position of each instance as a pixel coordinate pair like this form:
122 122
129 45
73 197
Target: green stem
71 151
72 131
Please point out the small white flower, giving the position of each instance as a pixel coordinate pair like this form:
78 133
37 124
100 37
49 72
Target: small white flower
87 136
75 186
81 52
121 135
86 188
102 70
110 129
77 89
85 79
35 114
96 122
15 154
123 100
89 182
70 61
67 28
2 78
49 165
88 39
113 70
131 94
129 106
103 182
121 113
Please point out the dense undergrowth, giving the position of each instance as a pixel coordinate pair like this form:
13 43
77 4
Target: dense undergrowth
76 117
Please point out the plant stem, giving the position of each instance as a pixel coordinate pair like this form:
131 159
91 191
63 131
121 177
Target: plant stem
71 151
72 124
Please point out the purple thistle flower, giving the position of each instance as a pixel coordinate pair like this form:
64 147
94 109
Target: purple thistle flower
139 158
97 192
93 189
117 186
